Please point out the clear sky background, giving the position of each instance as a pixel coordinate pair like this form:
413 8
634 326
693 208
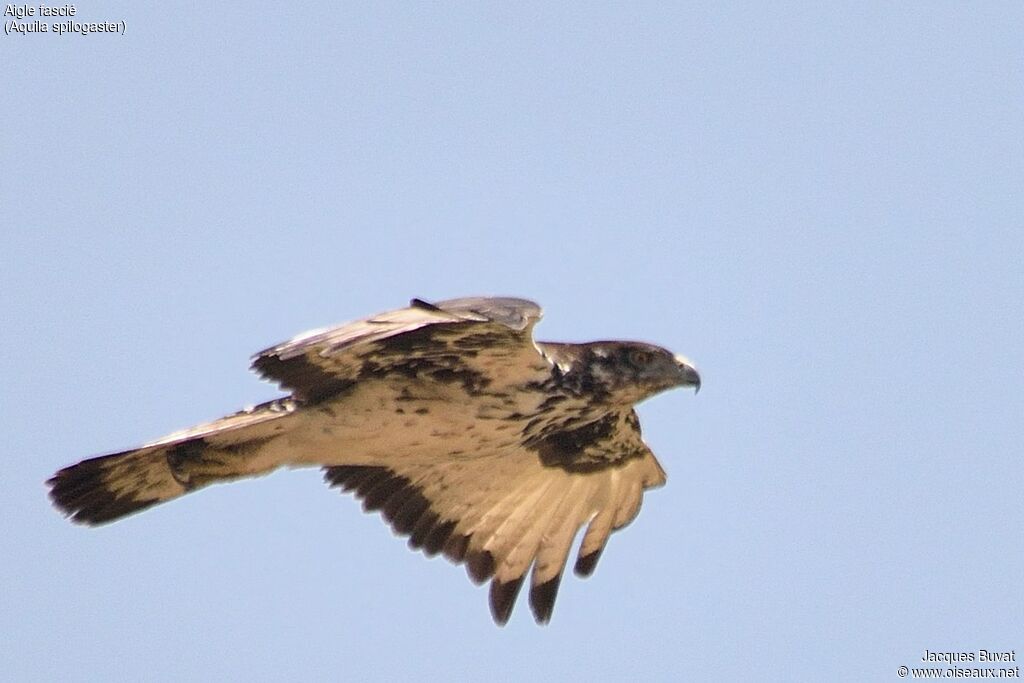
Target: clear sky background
822 207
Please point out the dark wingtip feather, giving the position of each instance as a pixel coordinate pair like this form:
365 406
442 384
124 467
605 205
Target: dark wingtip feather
368 482
454 547
585 564
542 599
405 511
421 531
437 539
480 565
403 506
345 477
376 498
503 599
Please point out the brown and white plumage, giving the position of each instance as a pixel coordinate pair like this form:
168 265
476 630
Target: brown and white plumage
470 438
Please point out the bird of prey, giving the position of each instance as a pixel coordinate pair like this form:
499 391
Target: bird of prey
468 436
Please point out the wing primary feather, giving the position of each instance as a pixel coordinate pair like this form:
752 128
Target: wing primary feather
593 542
338 476
377 497
503 597
518 521
556 543
628 504
367 483
421 530
348 477
480 565
542 598
437 539
405 516
454 547
514 543
586 564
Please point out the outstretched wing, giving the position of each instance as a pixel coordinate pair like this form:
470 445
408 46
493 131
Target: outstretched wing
503 513
477 341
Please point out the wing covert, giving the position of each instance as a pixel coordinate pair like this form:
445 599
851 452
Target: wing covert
473 340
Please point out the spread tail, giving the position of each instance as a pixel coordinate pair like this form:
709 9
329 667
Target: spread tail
108 487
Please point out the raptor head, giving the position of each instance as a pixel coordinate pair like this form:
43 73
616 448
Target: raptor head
629 372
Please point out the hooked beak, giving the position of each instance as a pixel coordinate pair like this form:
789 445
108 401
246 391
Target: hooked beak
688 375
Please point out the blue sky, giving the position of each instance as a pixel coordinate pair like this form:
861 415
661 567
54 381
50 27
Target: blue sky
821 206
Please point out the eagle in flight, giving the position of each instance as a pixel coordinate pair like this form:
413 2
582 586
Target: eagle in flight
468 436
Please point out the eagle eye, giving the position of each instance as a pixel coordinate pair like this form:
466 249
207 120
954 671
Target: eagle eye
640 357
